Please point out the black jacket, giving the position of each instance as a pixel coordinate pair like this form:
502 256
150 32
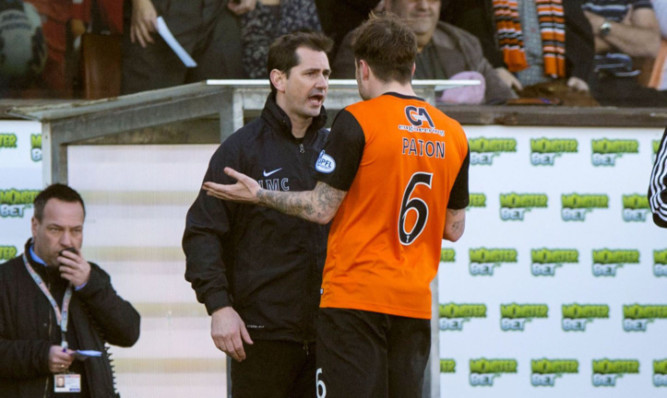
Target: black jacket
28 329
266 264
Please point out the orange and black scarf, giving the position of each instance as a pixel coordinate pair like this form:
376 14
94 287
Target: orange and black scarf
552 29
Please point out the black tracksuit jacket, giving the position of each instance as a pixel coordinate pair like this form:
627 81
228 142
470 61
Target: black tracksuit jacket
265 264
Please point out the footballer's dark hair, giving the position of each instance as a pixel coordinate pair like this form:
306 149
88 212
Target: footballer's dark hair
388 45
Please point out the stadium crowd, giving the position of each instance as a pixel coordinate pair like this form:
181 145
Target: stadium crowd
574 52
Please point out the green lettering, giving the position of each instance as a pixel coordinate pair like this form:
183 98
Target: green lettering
558 256
477 200
7 252
452 310
544 145
447 255
554 366
606 366
606 145
577 311
660 256
576 201
637 311
447 366
35 140
635 201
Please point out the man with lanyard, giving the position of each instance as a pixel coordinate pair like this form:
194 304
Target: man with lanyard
57 310
393 175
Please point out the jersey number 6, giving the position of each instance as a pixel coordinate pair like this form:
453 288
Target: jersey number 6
414 204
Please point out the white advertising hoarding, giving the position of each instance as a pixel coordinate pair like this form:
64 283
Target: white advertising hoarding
559 285
20 181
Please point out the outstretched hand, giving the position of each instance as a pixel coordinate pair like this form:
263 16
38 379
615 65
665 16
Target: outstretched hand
244 190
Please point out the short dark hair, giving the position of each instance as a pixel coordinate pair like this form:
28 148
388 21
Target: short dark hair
56 191
388 45
282 52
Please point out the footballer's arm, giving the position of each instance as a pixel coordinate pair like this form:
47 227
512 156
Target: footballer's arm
455 224
319 205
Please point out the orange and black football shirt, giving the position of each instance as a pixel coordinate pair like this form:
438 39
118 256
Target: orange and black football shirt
403 163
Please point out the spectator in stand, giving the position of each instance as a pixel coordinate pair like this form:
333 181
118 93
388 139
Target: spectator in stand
208 30
269 20
623 29
527 47
338 17
63 22
659 77
444 50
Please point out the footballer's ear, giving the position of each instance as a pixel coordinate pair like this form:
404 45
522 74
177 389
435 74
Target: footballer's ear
363 69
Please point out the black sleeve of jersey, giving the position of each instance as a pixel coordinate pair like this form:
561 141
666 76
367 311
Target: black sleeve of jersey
460 197
345 145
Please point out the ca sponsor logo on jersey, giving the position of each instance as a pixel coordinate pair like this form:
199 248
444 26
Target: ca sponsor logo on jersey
447 255
483 150
483 371
607 371
606 262
418 116
660 373
606 151
13 202
453 315
576 316
513 317
575 206
544 151
7 253
447 365
483 261
637 317
420 122
660 263
545 261
325 163
513 206
36 147
544 372
635 208
477 200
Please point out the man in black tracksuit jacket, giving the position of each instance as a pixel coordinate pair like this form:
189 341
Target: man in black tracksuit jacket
258 271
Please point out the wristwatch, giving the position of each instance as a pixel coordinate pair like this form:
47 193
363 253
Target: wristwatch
605 28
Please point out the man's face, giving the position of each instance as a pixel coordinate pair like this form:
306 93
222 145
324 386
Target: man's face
305 89
61 227
420 15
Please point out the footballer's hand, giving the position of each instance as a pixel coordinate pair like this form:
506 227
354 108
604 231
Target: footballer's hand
244 190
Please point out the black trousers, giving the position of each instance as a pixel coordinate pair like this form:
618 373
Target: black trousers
275 369
206 29
364 354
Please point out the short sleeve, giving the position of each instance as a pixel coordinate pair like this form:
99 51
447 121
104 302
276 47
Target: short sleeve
459 197
338 162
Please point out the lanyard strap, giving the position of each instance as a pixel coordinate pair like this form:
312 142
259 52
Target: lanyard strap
61 317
